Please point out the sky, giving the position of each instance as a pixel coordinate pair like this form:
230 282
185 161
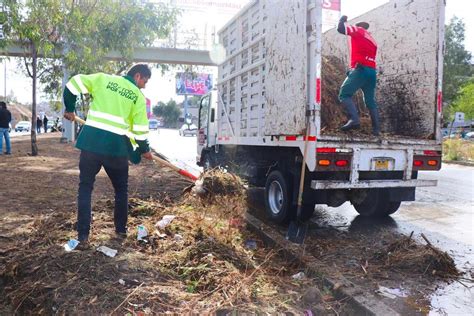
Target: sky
161 88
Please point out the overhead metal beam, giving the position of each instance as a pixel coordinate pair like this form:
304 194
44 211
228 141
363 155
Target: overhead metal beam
143 54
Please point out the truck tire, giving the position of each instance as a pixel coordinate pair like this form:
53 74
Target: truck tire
278 197
207 161
376 204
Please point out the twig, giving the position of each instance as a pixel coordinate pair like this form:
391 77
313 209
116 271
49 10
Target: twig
337 314
467 287
427 268
24 298
128 296
466 279
426 239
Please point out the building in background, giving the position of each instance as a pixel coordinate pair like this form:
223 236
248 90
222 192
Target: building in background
199 21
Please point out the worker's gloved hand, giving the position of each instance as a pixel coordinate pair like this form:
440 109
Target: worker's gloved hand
69 116
147 155
343 18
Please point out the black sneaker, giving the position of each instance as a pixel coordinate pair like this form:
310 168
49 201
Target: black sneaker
121 235
83 245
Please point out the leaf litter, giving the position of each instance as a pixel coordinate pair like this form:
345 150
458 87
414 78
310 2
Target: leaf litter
208 269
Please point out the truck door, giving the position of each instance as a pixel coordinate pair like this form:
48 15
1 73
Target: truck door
207 123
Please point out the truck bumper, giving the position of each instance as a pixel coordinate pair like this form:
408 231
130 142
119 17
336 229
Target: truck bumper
321 185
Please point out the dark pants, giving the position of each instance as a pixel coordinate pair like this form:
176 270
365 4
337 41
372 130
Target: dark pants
364 78
117 170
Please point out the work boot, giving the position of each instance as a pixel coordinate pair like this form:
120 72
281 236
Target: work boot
351 111
374 116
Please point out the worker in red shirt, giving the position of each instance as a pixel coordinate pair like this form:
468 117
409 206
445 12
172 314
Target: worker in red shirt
363 74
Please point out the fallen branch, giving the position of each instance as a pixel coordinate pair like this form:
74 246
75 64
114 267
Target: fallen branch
128 296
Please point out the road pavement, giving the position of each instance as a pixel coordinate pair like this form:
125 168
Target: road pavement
181 150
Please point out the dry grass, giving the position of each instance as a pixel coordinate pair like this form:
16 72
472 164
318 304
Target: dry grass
458 150
207 269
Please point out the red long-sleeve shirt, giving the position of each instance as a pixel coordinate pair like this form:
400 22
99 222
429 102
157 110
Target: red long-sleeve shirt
363 47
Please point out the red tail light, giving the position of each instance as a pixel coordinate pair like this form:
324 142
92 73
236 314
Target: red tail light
342 163
325 150
418 163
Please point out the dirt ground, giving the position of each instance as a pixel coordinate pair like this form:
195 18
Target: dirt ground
204 261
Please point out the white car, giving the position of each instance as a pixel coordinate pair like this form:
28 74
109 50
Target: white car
188 129
23 126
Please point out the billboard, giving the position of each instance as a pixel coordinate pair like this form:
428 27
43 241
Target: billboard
332 5
193 84
331 13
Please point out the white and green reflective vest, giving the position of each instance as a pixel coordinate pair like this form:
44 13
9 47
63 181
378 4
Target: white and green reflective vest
118 110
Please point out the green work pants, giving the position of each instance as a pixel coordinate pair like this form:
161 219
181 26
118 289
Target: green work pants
364 78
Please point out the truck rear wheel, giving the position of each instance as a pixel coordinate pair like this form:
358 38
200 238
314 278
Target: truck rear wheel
278 197
207 161
376 204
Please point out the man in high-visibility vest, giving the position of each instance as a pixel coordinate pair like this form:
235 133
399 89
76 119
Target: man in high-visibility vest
116 121
363 74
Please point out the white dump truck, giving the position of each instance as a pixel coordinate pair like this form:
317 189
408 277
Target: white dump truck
268 109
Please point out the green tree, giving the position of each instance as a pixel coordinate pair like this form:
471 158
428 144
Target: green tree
32 23
81 33
169 112
464 101
457 60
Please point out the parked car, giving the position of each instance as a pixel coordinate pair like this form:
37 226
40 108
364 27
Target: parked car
188 129
23 126
50 125
153 124
469 135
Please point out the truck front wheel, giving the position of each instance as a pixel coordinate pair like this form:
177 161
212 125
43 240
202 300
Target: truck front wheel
278 197
375 203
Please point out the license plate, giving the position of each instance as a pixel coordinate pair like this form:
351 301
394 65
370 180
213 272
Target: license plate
381 164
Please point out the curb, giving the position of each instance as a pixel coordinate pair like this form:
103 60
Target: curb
461 163
360 302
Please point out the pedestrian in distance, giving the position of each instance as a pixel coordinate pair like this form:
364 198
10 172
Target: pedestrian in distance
39 123
116 121
5 119
363 74
45 123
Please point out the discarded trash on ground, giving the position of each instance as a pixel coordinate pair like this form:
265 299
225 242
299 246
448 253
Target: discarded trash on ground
298 276
160 234
178 237
109 252
251 244
390 292
142 232
71 245
165 221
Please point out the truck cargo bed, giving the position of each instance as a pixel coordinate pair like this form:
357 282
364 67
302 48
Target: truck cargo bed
409 40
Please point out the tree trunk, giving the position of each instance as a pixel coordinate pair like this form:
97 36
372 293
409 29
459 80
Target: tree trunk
34 65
